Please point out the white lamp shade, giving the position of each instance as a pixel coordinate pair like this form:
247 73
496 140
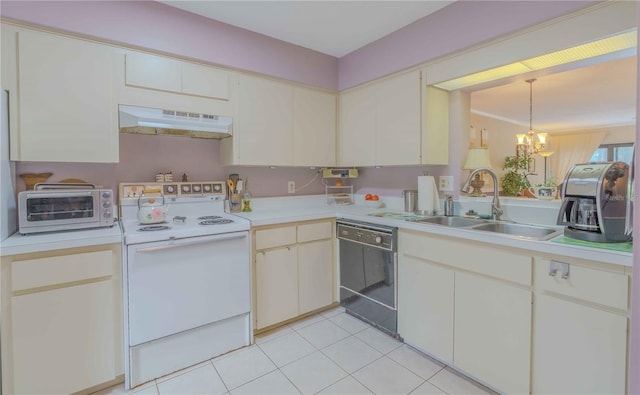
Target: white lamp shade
476 158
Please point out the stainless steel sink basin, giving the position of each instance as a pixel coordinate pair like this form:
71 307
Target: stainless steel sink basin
534 232
455 222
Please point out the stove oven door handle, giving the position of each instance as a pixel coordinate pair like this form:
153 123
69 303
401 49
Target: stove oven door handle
193 243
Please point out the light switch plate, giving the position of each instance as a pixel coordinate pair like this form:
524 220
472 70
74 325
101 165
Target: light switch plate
445 183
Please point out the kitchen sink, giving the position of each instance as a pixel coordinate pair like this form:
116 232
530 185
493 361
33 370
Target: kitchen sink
507 228
519 230
455 222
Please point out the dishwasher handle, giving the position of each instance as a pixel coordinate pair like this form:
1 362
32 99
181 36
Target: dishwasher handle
192 243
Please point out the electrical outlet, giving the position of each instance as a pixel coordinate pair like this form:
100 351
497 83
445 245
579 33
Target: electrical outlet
291 185
445 183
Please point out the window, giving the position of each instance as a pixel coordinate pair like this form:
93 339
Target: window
613 153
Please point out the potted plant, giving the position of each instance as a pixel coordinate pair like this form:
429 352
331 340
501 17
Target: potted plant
546 190
514 181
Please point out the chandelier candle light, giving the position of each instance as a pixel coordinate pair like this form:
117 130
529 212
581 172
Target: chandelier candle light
532 142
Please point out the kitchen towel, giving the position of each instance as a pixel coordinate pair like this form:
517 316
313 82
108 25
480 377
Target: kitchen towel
428 200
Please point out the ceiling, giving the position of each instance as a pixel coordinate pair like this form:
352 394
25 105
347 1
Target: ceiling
334 28
594 96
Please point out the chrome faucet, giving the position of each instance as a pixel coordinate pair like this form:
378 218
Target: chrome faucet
496 211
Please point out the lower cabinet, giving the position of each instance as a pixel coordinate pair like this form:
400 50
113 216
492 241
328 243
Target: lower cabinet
578 349
315 275
277 287
425 306
580 329
493 331
520 324
62 325
293 271
468 306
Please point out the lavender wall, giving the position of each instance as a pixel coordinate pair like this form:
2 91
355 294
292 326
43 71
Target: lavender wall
158 27
143 156
634 348
451 29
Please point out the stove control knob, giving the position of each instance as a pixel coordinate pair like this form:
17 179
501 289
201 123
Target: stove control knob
217 188
378 240
170 189
186 189
107 214
207 188
106 195
106 204
196 188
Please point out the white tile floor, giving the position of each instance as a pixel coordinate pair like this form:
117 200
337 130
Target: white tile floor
328 353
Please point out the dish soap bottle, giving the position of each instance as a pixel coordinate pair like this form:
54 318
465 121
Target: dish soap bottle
246 197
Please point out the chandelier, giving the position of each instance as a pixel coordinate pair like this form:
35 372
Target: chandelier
532 142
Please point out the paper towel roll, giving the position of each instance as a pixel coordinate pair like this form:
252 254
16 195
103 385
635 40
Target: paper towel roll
428 200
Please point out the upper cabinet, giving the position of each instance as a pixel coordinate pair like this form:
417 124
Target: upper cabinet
262 123
165 74
435 121
314 128
389 122
357 135
398 120
62 98
153 81
277 124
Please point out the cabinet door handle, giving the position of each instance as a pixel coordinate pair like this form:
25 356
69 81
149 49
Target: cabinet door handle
565 271
555 266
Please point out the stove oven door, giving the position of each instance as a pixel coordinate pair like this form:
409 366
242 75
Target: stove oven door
182 284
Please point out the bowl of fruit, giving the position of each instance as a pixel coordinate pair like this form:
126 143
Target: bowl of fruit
372 201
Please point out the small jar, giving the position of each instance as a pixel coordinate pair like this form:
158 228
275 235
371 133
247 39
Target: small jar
246 201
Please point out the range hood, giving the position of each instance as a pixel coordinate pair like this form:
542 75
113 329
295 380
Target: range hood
173 123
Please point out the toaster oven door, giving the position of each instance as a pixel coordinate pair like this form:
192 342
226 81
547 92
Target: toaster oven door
53 210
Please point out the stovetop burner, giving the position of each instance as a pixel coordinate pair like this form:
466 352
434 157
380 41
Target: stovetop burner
220 221
151 228
209 217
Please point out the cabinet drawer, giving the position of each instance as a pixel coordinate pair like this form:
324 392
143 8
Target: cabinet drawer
317 231
270 238
41 272
484 259
591 285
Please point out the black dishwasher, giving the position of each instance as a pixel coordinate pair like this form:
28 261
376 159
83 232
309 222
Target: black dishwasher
368 288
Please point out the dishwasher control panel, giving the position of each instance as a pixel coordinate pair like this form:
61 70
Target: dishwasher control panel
374 237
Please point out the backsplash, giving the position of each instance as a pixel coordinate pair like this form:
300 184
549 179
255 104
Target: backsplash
143 156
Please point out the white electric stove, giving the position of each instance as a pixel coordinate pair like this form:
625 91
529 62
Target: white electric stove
187 293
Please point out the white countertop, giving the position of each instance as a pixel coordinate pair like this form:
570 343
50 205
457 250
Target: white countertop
282 211
272 211
37 242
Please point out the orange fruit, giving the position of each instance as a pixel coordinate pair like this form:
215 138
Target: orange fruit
368 196
339 183
375 197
